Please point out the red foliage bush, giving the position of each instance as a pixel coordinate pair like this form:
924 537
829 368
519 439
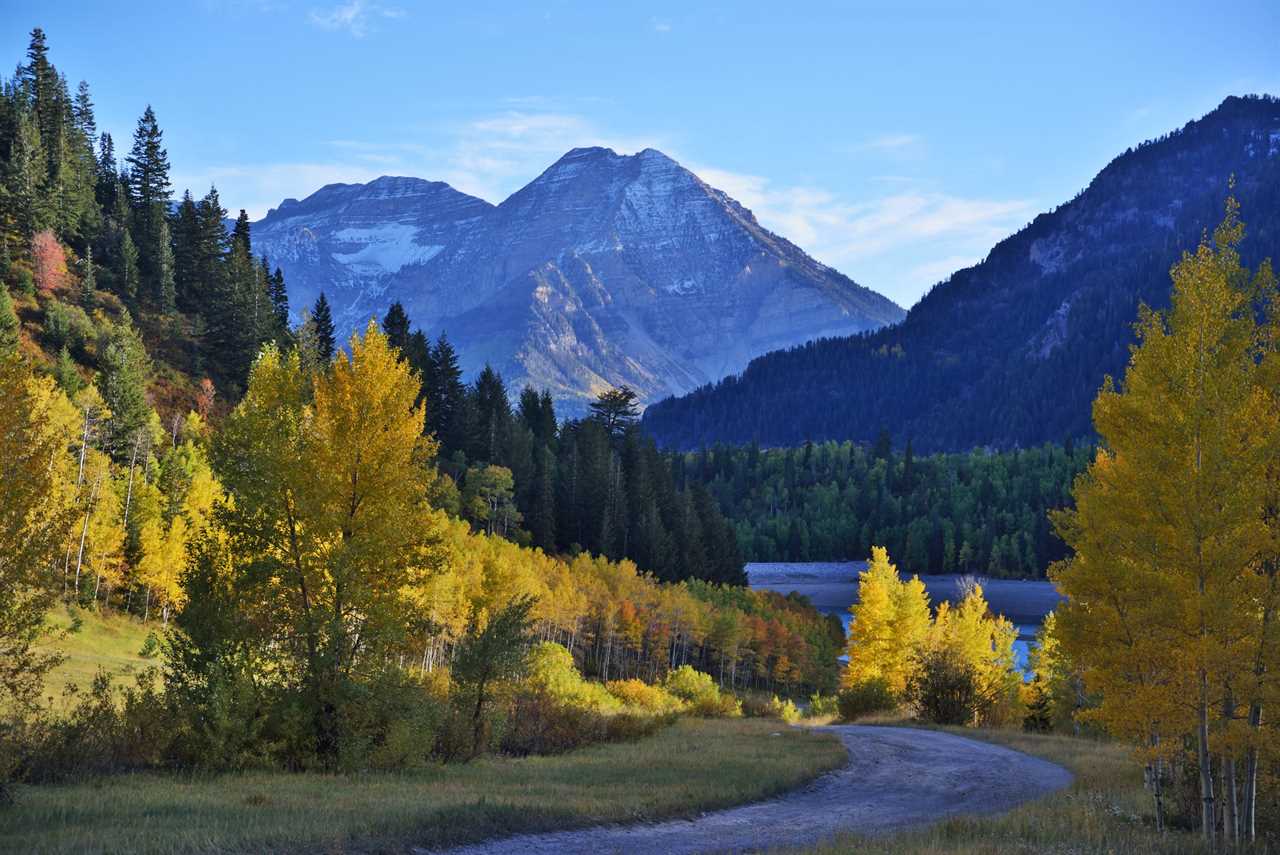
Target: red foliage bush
49 262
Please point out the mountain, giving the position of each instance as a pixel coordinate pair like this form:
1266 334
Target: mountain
606 269
1012 351
352 240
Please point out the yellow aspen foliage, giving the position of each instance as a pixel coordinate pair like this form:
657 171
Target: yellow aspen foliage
328 501
164 550
36 511
1169 519
890 623
984 642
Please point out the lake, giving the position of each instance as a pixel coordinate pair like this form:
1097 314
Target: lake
833 586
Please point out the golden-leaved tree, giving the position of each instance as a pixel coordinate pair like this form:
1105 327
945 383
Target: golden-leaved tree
327 479
890 624
37 490
1164 597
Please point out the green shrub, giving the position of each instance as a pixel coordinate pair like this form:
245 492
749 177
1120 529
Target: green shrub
760 705
67 326
864 698
945 691
552 671
701 695
824 706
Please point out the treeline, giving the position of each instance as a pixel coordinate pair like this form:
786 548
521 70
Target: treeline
979 512
596 484
320 599
90 236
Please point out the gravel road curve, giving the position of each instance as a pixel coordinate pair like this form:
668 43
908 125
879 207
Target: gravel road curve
897 777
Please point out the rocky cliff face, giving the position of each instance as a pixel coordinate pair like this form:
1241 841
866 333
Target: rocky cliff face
606 269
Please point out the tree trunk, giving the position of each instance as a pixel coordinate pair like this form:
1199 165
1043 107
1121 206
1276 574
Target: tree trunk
1205 762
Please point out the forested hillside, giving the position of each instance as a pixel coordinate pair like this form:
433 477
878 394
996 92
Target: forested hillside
976 512
1010 352
331 584
158 309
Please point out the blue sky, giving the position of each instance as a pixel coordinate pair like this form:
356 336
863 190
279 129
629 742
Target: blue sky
894 141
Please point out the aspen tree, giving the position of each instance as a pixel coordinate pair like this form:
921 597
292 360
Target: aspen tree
1169 520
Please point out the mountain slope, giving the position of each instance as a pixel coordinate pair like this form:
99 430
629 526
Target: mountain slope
606 269
1011 352
349 239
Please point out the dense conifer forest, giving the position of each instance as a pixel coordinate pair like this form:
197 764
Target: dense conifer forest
980 512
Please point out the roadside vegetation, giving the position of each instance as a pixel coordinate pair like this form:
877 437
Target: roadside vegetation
693 766
1166 642
1106 809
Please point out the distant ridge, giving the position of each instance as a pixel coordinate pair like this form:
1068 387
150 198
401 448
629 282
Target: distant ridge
1012 351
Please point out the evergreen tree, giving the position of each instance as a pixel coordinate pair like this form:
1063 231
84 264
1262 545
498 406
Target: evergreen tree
149 199
127 276
122 382
322 324
279 299
88 280
108 176
240 234
9 325
186 253
616 409
396 326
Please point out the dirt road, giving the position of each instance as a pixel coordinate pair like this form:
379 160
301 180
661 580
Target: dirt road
896 777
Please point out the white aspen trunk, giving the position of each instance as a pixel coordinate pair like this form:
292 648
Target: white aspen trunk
84 532
128 497
1205 762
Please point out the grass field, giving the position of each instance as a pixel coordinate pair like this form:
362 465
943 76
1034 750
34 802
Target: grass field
692 766
1106 810
107 641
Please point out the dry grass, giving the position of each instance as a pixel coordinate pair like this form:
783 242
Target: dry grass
1105 810
693 766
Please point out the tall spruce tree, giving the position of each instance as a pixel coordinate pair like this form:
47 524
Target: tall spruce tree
149 192
322 325
396 326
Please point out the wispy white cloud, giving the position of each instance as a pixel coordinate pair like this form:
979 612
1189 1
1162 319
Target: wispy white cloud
660 25
900 243
489 156
900 240
357 17
891 142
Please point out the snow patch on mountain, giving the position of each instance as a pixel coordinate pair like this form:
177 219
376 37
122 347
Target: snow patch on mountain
386 248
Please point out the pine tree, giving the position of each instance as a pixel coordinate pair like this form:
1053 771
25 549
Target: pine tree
127 275
396 326
64 371
322 325
108 173
616 409
240 239
186 253
88 280
122 382
279 300
149 198
9 325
